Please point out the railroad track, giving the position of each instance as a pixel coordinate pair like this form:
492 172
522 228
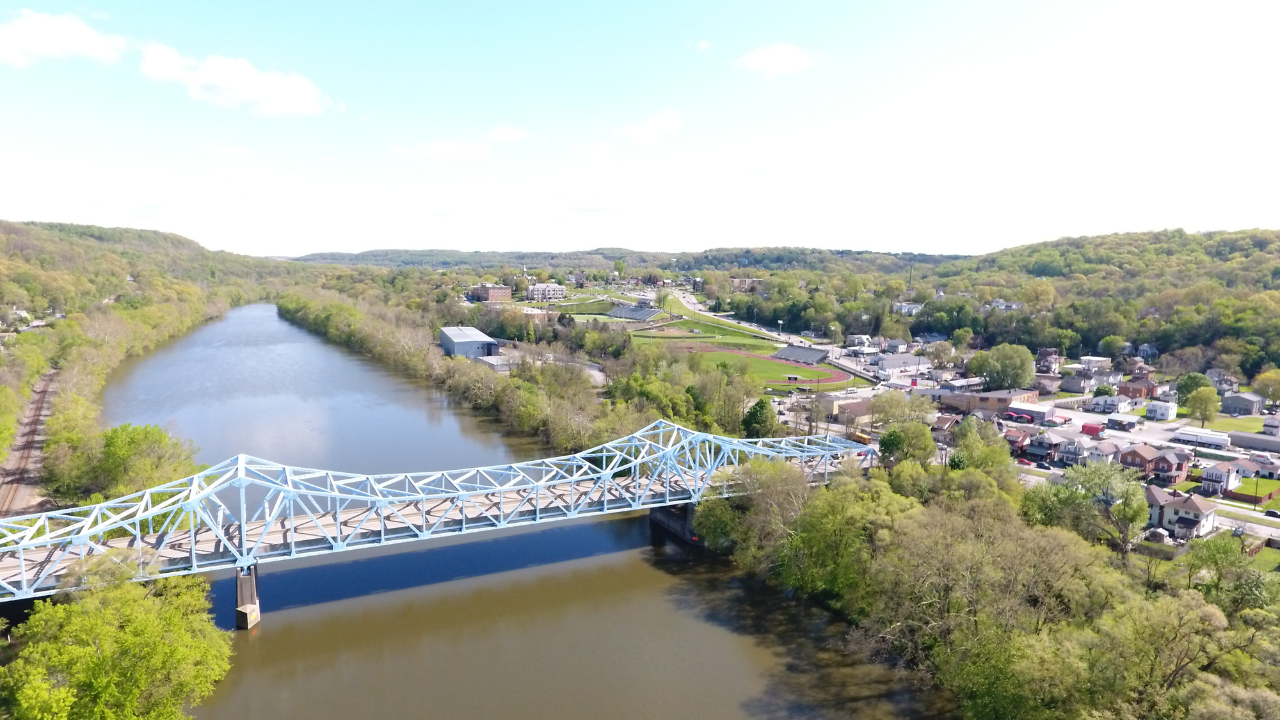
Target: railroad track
29 432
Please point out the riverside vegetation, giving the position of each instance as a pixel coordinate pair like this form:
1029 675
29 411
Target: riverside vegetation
1022 604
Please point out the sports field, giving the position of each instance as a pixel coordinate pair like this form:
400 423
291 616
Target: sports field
773 371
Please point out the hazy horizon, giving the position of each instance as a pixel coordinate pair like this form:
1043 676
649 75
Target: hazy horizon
932 127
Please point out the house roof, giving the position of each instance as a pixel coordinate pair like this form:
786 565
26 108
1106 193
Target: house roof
1146 452
1005 393
1158 497
1107 447
465 334
1193 503
1247 396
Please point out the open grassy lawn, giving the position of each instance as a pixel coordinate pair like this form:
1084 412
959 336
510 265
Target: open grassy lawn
1266 560
1248 423
674 305
745 344
764 369
596 318
1187 486
590 307
709 329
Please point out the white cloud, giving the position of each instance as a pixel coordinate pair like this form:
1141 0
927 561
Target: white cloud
34 36
451 151
506 133
653 128
776 59
231 82
703 45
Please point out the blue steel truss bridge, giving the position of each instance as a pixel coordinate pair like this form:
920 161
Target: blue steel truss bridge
247 511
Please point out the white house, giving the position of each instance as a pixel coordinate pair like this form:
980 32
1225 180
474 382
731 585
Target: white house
1110 404
1093 362
1106 451
892 366
907 308
1220 478
1183 516
1161 411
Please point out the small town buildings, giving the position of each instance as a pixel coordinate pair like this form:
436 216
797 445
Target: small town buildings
545 292
895 346
1045 446
892 366
747 284
1243 403
1138 388
1148 352
1121 421
908 308
489 292
1161 411
1171 466
942 428
1141 458
1017 440
1107 451
1046 384
1048 360
1110 404
1220 478
466 342
1075 450
1094 362
1271 425
1223 381
995 401
964 384
1183 516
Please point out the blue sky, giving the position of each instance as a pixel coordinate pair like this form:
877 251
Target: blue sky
287 128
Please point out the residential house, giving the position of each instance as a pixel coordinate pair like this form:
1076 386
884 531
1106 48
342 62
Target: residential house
1223 381
1148 352
1046 384
908 308
1106 451
1141 458
1271 425
1161 411
942 428
1075 450
1120 421
856 413
1184 516
1017 440
1002 305
930 338
1081 383
1243 403
1171 466
1045 446
746 284
1048 360
1109 404
895 346
1220 478
1138 388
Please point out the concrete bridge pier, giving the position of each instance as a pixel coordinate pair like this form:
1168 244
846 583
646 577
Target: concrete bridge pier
677 520
247 613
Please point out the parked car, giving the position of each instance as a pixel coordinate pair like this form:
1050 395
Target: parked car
1043 465
1023 461
1273 513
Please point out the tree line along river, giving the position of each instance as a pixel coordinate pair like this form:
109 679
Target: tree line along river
585 620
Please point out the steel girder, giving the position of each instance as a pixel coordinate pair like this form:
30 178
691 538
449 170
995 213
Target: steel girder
247 510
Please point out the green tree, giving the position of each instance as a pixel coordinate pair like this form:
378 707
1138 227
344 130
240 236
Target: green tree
1104 391
961 338
893 407
759 421
1189 383
917 443
118 650
1203 405
620 267
1112 346
892 443
1120 498
1004 367
1267 385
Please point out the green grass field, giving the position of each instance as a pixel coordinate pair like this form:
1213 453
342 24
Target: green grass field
1226 423
596 318
592 307
674 305
764 369
1249 518
1266 560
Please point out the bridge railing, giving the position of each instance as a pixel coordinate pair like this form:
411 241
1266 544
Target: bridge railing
246 510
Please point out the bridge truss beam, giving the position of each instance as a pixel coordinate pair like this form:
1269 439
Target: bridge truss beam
247 511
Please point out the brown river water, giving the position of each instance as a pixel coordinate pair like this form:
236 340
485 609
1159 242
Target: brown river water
597 619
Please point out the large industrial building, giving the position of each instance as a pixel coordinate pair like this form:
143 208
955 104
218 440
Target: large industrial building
467 342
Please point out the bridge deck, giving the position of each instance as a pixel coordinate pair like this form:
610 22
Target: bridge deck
247 511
